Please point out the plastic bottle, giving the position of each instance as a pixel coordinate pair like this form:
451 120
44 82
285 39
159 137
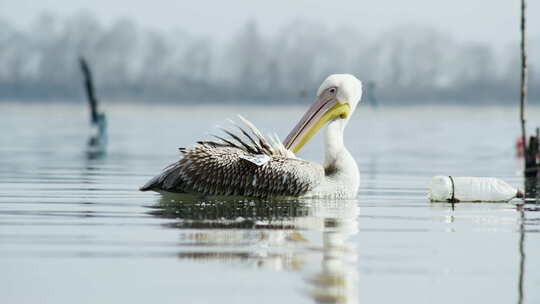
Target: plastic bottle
471 189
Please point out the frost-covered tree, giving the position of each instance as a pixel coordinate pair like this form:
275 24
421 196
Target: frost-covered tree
406 62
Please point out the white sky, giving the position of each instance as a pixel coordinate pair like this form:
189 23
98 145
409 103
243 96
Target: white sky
495 21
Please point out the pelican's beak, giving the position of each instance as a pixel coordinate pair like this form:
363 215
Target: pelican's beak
324 109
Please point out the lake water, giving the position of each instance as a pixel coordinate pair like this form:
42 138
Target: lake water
74 229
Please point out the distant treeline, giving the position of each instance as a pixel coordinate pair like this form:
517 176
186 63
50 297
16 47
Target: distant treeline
407 64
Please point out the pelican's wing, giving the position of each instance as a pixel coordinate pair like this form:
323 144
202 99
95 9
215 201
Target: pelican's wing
246 165
212 168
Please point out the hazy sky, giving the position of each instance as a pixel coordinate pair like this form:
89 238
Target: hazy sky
496 21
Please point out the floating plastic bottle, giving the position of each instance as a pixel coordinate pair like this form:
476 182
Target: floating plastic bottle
471 189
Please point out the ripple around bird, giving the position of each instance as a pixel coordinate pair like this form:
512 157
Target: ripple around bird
73 226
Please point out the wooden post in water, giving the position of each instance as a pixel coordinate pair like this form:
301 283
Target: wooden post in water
531 145
97 142
537 165
523 91
89 88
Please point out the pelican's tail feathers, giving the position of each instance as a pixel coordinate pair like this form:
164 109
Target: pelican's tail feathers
252 140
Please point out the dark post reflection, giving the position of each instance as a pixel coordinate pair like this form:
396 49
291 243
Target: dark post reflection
521 295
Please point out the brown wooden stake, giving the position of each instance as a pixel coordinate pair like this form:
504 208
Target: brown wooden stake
523 91
89 88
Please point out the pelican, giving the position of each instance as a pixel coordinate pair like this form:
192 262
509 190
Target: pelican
258 167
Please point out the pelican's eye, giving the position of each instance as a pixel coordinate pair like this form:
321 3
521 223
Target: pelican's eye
332 90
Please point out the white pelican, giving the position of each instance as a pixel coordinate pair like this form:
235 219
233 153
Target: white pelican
263 168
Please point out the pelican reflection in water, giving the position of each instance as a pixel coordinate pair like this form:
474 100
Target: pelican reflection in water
310 237
249 164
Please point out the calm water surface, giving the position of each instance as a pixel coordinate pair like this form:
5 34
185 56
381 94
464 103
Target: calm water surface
74 228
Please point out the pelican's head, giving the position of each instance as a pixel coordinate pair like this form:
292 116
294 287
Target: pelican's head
337 98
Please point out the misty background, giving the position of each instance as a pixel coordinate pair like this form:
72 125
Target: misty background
413 52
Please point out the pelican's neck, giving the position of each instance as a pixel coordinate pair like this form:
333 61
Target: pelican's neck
333 144
339 165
